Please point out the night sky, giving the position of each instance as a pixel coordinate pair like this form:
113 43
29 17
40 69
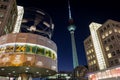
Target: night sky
83 12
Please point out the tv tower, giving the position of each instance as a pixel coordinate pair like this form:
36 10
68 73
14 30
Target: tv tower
72 28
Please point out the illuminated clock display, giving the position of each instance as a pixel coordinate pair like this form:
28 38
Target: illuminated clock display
28 48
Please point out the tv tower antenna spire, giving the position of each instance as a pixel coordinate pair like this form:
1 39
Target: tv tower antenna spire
71 29
70 17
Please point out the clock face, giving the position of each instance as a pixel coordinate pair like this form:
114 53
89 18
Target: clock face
37 22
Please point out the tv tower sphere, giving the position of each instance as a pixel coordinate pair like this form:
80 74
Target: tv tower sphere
71 28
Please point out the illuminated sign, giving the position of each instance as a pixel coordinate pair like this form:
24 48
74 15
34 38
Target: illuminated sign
105 74
28 49
31 49
9 49
2 49
20 48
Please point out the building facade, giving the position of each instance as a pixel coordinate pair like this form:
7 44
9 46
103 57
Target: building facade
8 16
29 53
109 35
91 55
103 50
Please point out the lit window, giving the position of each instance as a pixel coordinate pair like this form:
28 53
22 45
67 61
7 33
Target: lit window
0 22
103 36
91 57
119 31
94 61
110 31
89 51
109 55
115 30
91 45
107 48
106 34
119 60
1 14
92 50
88 58
91 63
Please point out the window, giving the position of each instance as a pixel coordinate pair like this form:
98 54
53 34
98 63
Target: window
110 46
110 31
116 61
117 25
118 36
115 30
112 37
104 28
107 48
94 61
6 0
108 26
109 55
88 58
0 22
105 42
113 53
111 63
93 55
119 31
1 14
89 51
101 31
113 24
89 64
91 45
92 50
3 6
119 59
118 51
109 40
103 36
106 34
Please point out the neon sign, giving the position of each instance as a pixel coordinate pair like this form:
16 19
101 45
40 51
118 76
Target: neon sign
105 74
